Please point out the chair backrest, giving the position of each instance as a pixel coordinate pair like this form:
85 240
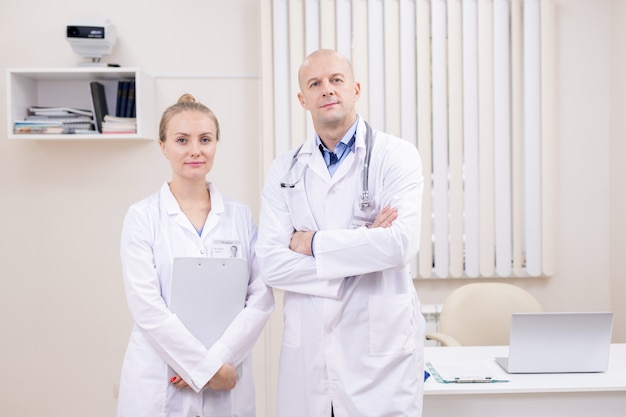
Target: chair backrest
479 314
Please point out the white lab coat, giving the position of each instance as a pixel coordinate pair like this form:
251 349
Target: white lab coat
353 328
155 231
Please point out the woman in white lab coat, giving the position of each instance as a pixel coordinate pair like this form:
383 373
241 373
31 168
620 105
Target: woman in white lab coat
353 332
167 371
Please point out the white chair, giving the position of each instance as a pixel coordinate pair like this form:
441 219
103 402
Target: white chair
479 314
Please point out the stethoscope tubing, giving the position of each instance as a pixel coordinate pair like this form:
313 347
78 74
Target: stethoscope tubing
364 197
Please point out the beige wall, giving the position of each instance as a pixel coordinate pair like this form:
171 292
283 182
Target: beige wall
63 314
618 168
64 318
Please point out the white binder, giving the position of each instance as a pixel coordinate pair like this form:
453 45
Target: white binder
208 293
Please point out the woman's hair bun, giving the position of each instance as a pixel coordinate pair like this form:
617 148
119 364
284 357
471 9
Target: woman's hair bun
187 98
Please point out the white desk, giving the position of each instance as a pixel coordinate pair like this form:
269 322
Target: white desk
526 395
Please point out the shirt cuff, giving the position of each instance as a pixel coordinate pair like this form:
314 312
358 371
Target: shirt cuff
312 245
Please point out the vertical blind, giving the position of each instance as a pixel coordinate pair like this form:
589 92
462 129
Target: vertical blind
470 82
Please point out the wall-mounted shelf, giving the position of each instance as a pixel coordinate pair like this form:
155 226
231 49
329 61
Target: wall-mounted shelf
69 87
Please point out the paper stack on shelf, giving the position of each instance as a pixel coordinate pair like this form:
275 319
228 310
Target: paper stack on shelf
29 127
54 120
58 111
113 124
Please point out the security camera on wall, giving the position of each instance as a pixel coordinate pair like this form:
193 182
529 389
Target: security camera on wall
91 38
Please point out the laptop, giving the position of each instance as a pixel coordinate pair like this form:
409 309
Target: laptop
559 342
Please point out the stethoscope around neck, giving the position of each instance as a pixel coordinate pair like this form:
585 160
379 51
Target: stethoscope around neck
364 196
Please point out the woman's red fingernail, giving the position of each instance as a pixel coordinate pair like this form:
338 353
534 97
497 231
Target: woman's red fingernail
173 379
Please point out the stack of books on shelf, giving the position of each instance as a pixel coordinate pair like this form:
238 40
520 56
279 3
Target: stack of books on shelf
55 120
125 99
124 121
113 124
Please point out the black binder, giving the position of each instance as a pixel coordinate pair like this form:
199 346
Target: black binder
99 103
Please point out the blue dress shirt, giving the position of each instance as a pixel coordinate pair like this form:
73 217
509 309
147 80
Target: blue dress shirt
342 149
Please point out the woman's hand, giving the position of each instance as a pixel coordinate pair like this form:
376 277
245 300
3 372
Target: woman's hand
225 379
178 382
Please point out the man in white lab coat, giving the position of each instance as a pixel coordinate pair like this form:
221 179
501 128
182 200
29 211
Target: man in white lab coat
337 238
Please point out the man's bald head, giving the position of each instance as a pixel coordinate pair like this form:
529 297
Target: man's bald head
324 53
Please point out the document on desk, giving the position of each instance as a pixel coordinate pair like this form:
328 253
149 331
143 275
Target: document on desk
208 293
463 372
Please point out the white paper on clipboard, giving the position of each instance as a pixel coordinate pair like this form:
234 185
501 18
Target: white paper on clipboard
208 293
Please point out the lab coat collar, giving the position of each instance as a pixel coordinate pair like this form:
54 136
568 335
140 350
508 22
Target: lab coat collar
172 206
310 148
361 132
312 144
310 155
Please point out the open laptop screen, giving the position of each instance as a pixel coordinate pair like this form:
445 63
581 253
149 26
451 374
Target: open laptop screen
559 342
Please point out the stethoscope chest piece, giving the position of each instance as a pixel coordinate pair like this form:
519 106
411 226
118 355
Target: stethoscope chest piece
364 200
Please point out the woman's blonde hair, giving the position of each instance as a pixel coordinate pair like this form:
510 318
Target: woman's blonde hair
186 102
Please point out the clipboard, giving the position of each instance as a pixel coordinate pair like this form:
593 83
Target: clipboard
208 293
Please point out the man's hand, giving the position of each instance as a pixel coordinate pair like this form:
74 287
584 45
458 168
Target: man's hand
385 218
301 242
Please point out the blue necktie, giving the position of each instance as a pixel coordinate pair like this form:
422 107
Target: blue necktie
333 158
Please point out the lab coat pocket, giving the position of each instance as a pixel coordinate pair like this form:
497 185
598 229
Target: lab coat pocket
392 325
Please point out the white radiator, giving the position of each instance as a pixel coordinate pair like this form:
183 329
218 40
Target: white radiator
431 315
